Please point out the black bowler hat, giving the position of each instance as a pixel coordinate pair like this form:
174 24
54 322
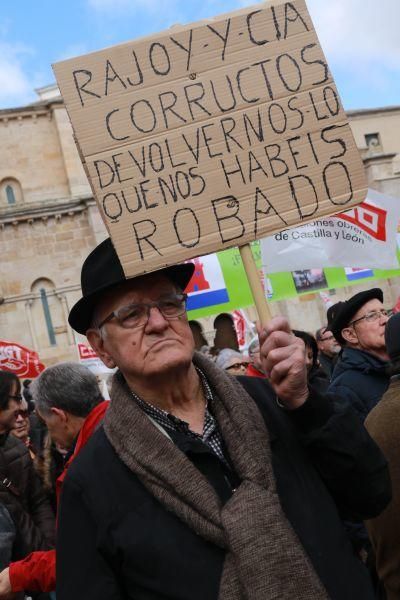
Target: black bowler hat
342 313
101 271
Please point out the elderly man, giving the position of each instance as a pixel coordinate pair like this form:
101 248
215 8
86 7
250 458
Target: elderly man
358 325
68 399
328 350
198 486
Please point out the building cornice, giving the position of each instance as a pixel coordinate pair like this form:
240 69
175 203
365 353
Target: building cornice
36 109
44 210
379 158
366 112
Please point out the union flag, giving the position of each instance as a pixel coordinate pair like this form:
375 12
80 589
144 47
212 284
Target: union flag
21 361
368 217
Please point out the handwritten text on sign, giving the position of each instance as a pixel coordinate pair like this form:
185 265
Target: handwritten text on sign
211 135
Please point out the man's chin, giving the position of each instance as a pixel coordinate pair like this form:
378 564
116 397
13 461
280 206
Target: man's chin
164 360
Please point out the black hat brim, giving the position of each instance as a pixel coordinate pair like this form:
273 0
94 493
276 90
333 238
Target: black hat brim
81 315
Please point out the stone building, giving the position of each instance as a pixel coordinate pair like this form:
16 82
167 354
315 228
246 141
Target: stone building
49 221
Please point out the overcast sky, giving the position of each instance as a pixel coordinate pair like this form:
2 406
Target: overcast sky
359 37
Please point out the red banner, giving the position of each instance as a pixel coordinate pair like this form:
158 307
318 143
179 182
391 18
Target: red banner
19 360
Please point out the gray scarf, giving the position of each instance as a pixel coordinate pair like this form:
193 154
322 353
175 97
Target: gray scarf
264 557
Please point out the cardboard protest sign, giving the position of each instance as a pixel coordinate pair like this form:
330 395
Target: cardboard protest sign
364 236
211 135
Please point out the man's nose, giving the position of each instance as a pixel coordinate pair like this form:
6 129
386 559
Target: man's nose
19 418
156 320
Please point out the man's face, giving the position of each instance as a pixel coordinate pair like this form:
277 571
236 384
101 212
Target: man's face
368 334
158 347
328 344
57 425
9 416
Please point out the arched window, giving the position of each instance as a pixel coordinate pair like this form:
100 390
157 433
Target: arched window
10 195
47 315
10 192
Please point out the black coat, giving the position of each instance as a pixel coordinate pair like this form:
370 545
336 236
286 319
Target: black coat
361 379
115 541
25 499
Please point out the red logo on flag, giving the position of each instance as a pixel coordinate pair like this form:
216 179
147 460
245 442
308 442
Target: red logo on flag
240 326
86 353
19 360
198 281
369 218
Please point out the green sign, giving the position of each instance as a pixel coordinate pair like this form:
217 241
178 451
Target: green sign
283 285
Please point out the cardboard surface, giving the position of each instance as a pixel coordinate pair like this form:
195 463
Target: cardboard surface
211 135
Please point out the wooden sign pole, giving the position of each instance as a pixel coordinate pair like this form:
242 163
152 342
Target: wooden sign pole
253 276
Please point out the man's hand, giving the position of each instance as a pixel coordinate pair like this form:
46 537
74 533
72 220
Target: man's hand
283 357
5 586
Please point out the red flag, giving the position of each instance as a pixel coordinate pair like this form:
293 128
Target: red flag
240 326
19 360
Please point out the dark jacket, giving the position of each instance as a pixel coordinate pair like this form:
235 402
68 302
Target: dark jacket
361 379
7 535
383 423
117 542
24 498
327 363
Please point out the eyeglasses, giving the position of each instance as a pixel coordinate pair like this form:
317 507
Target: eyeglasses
372 316
242 366
137 315
24 413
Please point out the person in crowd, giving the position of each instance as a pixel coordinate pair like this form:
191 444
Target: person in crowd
383 423
255 368
21 429
232 362
49 463
198 485
358 325
360 378
328 350
68 399
20 488
315 374
37 429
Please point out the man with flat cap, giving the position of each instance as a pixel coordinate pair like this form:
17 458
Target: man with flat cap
200 486
358 325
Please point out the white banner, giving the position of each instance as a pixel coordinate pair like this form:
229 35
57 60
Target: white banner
364 236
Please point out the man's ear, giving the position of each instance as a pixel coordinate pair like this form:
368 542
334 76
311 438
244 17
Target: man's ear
61 414
349 334
97 342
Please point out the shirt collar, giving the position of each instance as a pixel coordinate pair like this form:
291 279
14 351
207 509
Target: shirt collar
169 421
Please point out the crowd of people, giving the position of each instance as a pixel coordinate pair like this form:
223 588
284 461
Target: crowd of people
265 474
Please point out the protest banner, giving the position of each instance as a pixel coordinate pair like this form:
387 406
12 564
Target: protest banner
281 286
212 135
364 236
21 361
89 358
